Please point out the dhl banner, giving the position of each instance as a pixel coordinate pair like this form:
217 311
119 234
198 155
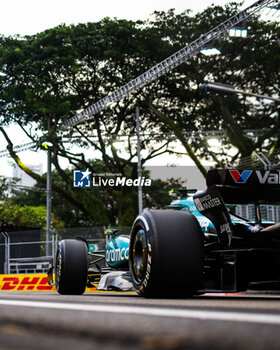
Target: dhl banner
28 282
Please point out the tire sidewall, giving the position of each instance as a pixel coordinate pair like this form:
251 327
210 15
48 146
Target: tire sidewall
59 267
71 267
144 222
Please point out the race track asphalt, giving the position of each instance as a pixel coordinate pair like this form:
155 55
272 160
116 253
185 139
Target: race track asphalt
46 320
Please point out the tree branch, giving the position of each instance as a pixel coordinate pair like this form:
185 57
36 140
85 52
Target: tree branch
42 179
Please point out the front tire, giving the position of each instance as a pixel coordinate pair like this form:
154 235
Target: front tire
71 267
166 254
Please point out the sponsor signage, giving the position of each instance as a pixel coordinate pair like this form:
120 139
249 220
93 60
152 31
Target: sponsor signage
244 178
240 177
28 282
207 202
210 204
115 255
36 282
117 251
268 177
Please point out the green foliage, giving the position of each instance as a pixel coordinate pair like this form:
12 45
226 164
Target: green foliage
23 216
4 185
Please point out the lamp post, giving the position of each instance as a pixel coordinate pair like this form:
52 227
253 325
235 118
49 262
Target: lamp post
49 200
224 89
48 146
139 169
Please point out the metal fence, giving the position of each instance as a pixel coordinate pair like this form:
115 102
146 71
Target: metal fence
15 263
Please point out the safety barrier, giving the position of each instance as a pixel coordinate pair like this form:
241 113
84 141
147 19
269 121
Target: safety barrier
16 264
28 282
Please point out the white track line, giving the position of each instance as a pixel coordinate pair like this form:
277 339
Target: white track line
153 311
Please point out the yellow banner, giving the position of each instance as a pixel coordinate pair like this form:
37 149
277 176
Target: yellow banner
28 282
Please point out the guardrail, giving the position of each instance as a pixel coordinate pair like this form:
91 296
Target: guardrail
19 265
29 265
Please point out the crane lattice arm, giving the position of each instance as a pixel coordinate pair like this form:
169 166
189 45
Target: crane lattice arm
169 63
20 148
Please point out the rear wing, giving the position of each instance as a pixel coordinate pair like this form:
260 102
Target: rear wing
246 186
233 186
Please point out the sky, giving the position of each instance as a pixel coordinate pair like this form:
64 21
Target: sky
32 16
27 17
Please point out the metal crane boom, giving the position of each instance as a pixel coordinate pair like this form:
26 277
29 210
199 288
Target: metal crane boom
20 148
169 63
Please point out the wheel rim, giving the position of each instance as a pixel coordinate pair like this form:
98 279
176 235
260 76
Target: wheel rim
139 255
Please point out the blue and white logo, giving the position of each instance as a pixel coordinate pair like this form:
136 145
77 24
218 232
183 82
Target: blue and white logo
81 178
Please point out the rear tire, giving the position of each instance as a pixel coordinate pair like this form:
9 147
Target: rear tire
71 268
166 254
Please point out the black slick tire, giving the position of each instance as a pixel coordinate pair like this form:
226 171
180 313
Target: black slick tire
166 254
71 267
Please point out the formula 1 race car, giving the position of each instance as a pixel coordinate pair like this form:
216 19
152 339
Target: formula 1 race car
196 244
76 267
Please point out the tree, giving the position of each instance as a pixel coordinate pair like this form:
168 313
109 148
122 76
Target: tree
48 77
250 64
